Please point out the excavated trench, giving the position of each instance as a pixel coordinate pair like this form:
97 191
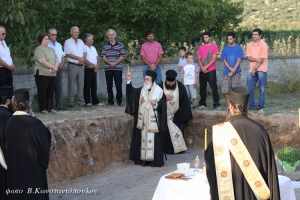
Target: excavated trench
81 146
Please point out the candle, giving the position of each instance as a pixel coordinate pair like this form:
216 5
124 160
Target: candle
205 139
299 116
127 68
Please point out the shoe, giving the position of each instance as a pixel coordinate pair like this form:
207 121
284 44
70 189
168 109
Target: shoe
250 108
71 106
110 104
100 104
261 111
194 108
62 108
217 108
44 111
84 105
52 111
89 104
120 104
202 107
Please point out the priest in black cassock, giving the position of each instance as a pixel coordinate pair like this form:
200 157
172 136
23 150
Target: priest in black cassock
148 106
28 148
178 113
236 166
6 92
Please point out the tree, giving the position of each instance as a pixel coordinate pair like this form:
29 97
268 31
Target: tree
172 20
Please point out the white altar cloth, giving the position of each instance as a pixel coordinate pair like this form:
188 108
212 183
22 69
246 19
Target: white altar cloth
197 188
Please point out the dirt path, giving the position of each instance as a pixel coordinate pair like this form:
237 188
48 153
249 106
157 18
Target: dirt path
127 181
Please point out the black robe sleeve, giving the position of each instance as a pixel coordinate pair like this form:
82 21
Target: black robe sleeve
42 141
184 113
131 99
162 114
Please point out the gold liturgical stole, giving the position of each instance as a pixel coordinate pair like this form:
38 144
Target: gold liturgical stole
172 107
227 140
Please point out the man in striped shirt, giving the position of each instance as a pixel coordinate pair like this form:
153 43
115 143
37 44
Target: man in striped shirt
151 53
113 53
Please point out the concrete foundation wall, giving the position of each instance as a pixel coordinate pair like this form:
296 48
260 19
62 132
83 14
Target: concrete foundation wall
280 69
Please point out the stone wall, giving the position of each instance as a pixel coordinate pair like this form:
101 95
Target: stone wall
280 68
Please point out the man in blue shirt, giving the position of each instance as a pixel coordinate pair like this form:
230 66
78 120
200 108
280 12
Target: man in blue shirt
232 55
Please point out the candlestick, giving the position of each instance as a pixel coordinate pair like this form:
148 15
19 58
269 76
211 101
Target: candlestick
205 139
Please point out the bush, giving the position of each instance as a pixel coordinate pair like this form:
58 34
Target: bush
288 154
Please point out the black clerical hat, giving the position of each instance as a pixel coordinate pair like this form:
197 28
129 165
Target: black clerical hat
239 95
152 74
6 91
22 94
171 75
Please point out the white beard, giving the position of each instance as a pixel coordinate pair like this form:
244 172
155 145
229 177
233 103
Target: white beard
147 86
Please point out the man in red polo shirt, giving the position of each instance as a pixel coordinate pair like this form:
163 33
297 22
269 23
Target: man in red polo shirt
151 53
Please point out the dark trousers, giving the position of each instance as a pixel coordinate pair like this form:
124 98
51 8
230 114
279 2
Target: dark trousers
211 78
90 86
5 77
116 75
45 91
59 90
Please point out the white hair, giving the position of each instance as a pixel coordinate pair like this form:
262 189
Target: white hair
111 30
88 36
74 27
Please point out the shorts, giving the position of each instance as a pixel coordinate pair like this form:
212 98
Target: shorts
230 82
191 91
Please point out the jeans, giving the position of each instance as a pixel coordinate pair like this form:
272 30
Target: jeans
211 78
261 78
158 79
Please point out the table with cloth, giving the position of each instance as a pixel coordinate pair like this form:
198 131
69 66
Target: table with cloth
197 187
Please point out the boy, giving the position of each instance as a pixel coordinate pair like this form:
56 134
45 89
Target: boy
232 55
182 61
190 77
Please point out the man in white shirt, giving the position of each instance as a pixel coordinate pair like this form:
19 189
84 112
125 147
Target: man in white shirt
52 33
76 53
6 63
92 64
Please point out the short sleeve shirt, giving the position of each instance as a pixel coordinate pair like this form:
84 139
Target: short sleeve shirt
188 72
77 49
91 54
206 53
5 53
58 50
49 55
151 51
231 54
259 50
113 53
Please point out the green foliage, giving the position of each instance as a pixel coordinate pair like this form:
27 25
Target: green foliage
288 154
172 21
271 14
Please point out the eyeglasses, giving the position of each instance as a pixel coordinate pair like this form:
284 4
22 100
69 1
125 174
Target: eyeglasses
53 34
3 33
